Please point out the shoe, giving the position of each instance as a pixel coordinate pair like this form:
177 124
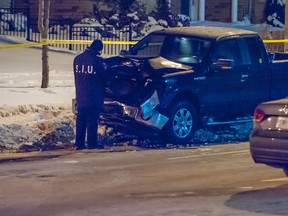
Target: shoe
80 147
100 146
96 147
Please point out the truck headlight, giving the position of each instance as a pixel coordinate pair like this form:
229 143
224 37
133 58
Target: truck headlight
148 106
130 111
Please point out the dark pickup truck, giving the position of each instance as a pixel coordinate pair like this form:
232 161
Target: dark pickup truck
177 80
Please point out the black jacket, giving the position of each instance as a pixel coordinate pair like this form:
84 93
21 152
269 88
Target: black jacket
90 78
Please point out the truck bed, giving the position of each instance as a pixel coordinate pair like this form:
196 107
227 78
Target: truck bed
279 79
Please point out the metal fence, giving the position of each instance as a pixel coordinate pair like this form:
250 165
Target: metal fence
16 22
80 32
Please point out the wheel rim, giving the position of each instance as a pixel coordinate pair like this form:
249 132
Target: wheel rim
182 123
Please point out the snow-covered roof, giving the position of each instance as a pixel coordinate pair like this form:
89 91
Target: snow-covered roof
208 31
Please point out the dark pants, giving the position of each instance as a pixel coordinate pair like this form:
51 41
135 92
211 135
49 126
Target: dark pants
87 120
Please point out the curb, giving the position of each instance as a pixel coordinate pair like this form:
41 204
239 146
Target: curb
45 155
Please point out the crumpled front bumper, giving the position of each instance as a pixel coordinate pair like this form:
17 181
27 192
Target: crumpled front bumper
119 114
146 114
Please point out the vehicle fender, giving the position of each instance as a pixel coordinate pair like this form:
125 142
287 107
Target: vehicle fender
181 95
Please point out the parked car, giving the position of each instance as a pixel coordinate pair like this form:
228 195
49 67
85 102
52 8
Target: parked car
176 80
269 138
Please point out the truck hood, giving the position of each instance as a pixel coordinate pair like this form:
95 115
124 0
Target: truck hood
133 80
116 63
162 63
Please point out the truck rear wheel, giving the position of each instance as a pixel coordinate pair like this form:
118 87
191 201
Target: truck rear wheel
182 124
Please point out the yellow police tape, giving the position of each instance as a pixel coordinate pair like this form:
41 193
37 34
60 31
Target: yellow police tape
20 45
47 42
87 42
276 41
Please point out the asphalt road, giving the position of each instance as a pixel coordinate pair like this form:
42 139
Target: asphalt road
215 180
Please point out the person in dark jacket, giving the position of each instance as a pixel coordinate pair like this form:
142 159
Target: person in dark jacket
90 78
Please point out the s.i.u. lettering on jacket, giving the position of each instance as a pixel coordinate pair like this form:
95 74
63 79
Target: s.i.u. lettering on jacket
85 69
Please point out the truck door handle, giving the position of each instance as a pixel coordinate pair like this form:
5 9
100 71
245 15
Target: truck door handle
244 77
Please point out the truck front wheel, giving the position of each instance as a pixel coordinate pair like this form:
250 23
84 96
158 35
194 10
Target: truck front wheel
182 124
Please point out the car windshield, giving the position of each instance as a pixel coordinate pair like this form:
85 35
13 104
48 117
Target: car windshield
182 49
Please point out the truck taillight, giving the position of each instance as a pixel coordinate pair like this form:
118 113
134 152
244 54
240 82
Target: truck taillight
259 115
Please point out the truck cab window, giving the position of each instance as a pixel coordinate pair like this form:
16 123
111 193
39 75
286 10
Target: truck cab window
228 49
254 52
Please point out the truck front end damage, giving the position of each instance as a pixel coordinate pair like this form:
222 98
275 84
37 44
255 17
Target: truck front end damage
133 95
117 114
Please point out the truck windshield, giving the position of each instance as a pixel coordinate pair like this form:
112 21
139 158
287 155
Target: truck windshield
185 49
182 49
150 46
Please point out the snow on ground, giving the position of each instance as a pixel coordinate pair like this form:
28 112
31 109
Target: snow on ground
27 112
32 118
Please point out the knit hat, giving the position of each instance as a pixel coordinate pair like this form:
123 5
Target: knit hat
97 45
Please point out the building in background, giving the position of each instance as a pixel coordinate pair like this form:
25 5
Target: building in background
60 9
209 10
275 13
221 10
5 3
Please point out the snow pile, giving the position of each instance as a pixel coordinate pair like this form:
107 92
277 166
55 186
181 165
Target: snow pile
224 133
31 116
41 126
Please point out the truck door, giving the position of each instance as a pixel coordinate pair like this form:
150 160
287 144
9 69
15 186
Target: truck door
227 89
257 70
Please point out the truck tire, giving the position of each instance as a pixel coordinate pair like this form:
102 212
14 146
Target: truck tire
182 124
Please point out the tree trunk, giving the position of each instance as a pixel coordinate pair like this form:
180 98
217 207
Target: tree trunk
45 67
43 26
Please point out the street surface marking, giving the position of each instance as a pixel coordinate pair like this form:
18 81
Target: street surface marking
70 162
246 187
203 155
275 180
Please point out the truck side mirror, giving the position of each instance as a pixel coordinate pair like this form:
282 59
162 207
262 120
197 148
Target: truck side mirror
222 65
